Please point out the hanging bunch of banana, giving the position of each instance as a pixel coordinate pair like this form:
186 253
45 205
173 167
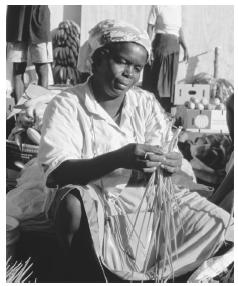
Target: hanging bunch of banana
66 43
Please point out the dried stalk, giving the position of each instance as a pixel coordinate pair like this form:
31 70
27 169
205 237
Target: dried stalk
162 208
18 272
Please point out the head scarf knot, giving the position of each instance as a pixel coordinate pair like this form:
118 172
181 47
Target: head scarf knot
109 31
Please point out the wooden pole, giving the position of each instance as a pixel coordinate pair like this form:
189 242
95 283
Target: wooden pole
216 62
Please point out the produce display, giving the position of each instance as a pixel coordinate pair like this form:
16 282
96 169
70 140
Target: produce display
214 103
220 88
200 108
29 120
25 133
66 42
223 89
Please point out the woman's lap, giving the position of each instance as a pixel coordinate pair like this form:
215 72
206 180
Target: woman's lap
203 226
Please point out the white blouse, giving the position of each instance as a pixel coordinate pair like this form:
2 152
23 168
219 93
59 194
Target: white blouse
76 126
166 19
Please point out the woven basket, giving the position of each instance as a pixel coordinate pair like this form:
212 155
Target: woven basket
23 154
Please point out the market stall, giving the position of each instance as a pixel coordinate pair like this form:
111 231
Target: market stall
199 109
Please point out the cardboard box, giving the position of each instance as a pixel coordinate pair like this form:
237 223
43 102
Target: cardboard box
214 120
183 92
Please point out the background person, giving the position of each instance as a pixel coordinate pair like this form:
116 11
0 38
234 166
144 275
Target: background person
28 29
165 29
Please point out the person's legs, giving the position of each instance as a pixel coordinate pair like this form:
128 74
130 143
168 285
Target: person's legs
18 73
41 56
166 79
17 55
42 73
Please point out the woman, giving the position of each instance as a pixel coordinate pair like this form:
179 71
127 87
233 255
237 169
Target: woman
101 140
164 27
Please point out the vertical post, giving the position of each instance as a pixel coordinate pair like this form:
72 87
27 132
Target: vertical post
215 73
216 62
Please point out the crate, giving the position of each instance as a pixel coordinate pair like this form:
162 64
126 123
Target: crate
183 92
21 154
213 120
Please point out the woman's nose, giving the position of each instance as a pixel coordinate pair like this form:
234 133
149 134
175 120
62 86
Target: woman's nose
128 71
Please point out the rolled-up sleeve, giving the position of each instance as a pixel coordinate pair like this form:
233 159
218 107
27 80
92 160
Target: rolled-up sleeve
61 137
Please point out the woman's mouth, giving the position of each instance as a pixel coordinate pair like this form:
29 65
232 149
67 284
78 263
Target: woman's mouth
121 85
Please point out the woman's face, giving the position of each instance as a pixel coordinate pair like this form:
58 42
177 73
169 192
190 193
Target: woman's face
119 70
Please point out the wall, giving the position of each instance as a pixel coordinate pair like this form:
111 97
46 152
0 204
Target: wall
206 27
92 14
67 12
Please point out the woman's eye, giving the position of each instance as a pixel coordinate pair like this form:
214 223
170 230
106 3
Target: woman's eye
138 69
123 62
120 60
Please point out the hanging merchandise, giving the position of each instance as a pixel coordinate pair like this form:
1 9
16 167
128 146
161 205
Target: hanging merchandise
66 42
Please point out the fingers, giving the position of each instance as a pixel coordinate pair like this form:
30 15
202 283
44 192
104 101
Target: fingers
172 162
152 157
170 169
148 158
144 152
149 170
150 149
174 156
146 164
171 159
150 166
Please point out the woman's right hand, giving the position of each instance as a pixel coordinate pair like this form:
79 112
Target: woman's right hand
141 157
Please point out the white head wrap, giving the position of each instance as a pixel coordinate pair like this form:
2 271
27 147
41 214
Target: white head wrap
108 31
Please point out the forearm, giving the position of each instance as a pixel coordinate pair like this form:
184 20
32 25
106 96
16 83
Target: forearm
181 40
150 30
82 171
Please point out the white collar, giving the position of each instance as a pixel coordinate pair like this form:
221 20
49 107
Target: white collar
93 107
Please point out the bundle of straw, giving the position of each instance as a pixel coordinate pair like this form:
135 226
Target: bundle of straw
161 200
18 272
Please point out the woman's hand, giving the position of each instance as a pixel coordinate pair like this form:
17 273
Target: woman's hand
141 157
172 162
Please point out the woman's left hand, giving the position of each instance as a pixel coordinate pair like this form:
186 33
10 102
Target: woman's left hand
172 162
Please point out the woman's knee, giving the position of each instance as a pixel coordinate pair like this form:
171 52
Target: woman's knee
69 214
